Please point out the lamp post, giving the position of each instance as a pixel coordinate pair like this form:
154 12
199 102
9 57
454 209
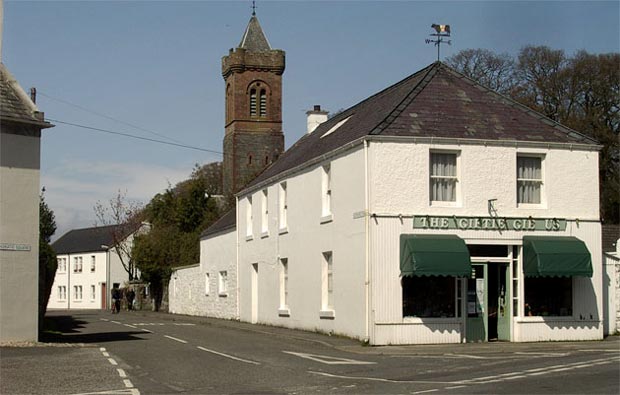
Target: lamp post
107 275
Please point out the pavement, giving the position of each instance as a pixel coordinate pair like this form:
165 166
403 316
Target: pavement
66 361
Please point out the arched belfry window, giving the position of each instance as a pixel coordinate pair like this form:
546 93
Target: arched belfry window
263 103
253 102
259 93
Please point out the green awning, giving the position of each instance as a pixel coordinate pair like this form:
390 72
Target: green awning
555 256
434 255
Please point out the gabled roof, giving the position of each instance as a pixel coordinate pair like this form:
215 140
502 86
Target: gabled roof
226 222
15 105
437 102
254 39
87 239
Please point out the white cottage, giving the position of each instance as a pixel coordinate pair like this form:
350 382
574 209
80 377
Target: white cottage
89 266
435 211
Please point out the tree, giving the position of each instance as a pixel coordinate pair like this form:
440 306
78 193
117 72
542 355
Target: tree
122 217
178 216
581 92
47 256
495 71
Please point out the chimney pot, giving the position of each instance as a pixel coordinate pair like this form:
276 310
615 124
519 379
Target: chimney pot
316 116
317 107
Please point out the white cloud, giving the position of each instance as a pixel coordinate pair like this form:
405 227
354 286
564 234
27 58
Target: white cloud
74 187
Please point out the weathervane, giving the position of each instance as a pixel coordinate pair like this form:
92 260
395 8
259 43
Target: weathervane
253 7
442 31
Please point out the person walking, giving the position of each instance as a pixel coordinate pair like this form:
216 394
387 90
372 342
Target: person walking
116 300
130 297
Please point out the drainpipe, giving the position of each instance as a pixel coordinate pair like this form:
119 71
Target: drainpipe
69 281
107 275
367 242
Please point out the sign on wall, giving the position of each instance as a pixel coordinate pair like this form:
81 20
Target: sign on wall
14 247
489 223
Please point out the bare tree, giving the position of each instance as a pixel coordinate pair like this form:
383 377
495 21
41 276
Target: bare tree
495 71
122 217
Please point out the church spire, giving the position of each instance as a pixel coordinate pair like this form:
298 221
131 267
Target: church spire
254 39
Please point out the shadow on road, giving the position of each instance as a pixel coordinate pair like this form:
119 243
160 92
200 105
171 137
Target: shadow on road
68 329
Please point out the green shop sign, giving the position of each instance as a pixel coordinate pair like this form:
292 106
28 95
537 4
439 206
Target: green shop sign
489 223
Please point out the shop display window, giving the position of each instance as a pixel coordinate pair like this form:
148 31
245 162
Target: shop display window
548 296
425 297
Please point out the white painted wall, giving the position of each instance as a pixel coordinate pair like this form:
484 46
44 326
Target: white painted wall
187 291
303 243
611 284
19 219
571 189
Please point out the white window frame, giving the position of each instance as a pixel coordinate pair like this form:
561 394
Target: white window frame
327 285
284 288
326 193
93 292
223 283
264 228
541 181
249 219
456 178
207 284
283 217
77 292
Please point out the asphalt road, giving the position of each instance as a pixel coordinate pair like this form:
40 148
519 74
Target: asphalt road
164 354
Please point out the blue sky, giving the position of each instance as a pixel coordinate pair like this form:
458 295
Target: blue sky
156 65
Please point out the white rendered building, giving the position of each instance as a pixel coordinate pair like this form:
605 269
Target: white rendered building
89 267
436 211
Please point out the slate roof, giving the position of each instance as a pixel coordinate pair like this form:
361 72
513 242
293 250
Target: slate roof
13 106
437 101
254 39
85 240
610 235
225 222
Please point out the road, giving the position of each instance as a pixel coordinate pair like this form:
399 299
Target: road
164 354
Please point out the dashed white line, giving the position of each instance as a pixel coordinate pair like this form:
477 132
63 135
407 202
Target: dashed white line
101 349
128 383
113 362
121 373
106 354
425 391
131 326
116 322
176 339
228 356
146 330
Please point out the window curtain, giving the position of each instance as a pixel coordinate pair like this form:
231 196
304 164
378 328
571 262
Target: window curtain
443 177
529 176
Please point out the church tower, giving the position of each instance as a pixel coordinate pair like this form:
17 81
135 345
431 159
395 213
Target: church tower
253 138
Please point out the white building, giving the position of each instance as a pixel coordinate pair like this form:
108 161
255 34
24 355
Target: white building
21 123
89 267
436 211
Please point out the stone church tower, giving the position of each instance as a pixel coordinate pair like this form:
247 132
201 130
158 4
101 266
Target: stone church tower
253 138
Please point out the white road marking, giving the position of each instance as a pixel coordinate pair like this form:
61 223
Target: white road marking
131 326
121 373
183 324
228 356
338 376
101 349
128 383
113 362
146 330
116 322
128 391
455 387
104 319
175 339
106 354
425 391
467 356
544 354
329 360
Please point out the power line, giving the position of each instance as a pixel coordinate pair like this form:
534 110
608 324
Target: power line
133 136
107 117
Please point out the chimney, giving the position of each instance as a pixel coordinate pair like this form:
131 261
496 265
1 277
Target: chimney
33 95
316 117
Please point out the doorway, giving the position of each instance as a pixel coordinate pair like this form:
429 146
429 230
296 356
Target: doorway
104 297
488 303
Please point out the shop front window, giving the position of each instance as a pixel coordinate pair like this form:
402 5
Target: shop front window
548 296
431 296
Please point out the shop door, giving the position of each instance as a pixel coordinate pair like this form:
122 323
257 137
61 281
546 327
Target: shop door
504 311
476 324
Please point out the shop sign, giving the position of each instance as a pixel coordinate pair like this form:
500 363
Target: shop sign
489 223
14 247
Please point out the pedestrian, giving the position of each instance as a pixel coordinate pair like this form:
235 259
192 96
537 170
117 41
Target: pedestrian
116 300
130 297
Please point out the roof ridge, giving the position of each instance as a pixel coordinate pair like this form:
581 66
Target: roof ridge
519 106
431 71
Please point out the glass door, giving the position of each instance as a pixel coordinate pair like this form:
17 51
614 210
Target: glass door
476 308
